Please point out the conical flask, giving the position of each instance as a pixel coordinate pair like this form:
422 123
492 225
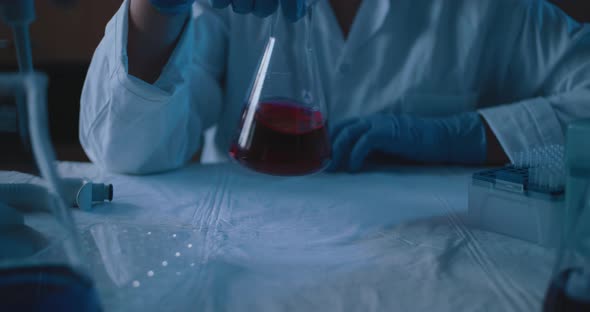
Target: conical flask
570 286
283 127
41 267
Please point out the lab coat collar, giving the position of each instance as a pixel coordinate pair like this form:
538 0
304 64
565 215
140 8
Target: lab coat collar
368 21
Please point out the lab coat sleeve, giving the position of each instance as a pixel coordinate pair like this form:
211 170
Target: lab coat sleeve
548 77
130 126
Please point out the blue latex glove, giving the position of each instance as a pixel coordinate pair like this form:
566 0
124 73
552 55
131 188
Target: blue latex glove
172 6
292 9
459 139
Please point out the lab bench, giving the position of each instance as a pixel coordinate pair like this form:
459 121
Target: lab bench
217 238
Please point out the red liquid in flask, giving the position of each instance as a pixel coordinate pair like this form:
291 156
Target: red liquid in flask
284 139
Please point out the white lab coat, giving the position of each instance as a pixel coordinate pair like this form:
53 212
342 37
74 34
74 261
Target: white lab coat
522 63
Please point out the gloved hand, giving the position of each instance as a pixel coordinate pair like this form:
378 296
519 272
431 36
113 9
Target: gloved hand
172 6
292 9
459 139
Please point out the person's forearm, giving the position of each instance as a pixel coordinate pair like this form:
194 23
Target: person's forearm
495 153
151 39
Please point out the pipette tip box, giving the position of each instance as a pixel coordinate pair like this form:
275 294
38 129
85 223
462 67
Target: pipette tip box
507 201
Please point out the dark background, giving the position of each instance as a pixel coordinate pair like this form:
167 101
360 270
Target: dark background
63 42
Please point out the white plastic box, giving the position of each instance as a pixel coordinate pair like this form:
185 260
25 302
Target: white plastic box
507 207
